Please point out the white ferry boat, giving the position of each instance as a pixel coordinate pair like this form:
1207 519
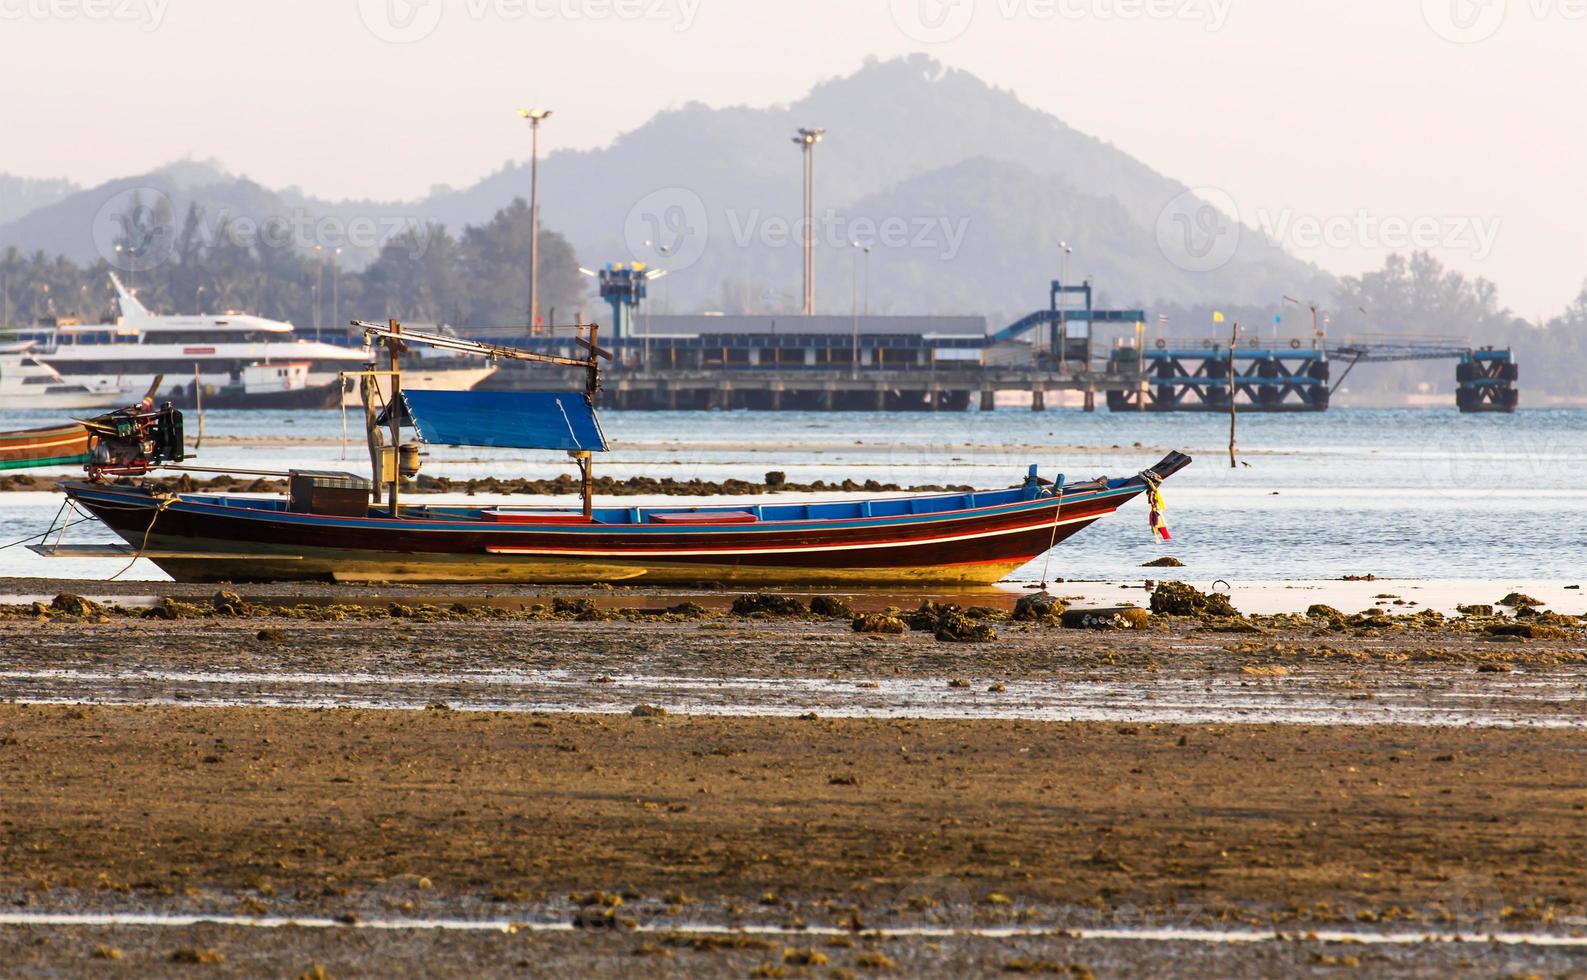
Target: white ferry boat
28 383
218 348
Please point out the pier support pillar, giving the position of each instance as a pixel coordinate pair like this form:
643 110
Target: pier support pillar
881 399
988 400
1091 399
1038 400
828 398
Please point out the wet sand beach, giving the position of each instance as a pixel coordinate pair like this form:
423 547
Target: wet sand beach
897 804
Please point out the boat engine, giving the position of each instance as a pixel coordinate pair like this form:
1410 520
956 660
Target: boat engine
133 441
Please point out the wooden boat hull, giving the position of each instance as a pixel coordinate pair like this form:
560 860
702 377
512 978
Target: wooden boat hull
60 445
943 543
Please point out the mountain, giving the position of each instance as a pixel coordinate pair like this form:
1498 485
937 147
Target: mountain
84 226
80 226
980 238
962 191
908 140
20 195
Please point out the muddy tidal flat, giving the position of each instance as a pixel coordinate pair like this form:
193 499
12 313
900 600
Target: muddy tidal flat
385 782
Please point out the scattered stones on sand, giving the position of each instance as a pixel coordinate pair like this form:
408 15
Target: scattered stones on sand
1039 607
888 623
951 624
204 957
579 607
767 604
1519 600
74 605
1179 599
229 604
831 607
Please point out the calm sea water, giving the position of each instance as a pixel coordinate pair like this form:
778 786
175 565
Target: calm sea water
1395 493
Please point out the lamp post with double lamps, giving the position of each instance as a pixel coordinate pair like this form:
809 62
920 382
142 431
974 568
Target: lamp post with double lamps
535 116
807 139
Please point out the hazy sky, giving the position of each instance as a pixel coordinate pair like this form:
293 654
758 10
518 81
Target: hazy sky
1344 128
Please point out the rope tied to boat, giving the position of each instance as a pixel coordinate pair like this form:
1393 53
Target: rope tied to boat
1154 497
166 500
1052 539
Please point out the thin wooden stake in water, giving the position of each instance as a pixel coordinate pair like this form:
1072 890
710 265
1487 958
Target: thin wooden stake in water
198 403
1234 335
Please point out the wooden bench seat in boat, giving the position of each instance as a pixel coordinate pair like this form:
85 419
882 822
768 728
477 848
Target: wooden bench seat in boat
706 517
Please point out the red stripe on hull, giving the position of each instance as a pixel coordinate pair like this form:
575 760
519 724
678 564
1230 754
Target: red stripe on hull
972 539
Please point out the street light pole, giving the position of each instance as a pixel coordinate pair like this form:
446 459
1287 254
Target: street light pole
865 288
864 258
319 287
854 311
534 116
336 286
665 251
807 139
1316 334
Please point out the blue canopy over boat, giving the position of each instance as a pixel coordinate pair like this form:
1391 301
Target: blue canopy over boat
512 419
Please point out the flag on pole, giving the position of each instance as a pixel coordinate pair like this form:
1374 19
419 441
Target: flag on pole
1217 317
1162 319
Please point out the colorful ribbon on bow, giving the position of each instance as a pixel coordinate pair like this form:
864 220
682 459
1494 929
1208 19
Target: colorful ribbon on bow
1154 496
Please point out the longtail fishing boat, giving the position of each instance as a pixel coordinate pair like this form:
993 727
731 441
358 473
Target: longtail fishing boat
56 445
337 526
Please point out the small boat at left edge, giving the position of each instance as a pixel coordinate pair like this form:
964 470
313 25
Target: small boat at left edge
56 445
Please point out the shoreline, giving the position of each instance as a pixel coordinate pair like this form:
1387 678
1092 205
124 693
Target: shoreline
1396 596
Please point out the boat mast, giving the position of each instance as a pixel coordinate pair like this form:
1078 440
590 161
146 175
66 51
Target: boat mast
396 341
395 346
592 384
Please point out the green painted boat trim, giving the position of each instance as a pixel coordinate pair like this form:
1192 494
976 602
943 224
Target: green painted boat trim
22 464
